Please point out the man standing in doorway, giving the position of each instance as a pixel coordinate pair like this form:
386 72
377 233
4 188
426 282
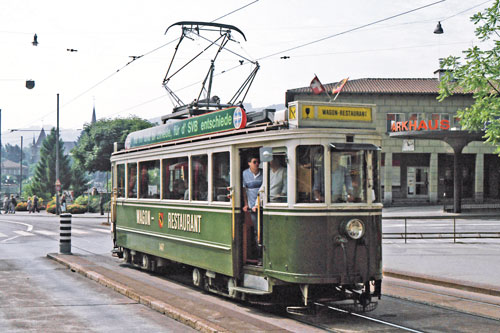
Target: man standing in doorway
252 182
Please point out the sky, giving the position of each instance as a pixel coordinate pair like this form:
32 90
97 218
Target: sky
107 33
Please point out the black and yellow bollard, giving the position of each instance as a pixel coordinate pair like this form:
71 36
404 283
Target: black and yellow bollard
65 234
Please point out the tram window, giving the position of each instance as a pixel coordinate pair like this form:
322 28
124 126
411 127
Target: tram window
199 180
310 178
120 180
149 179
221 181
376 179
132 180
176 178
277 178
348 176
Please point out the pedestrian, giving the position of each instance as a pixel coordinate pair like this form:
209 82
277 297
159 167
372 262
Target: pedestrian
35 204
101 203
13 204
29 205
6 203
63 203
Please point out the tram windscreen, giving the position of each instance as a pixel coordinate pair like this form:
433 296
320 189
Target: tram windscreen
352 175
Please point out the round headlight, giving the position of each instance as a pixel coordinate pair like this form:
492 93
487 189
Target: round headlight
354 228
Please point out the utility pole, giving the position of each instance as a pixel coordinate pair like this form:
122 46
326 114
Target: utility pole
57 160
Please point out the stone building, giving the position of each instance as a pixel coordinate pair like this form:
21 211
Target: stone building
418 171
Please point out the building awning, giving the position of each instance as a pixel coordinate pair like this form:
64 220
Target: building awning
353 146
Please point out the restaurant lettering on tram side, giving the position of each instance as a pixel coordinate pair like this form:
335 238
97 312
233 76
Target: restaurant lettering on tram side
419 171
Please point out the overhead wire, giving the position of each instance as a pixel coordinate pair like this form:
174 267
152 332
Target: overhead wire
132 61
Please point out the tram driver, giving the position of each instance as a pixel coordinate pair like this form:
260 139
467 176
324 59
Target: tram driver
341 180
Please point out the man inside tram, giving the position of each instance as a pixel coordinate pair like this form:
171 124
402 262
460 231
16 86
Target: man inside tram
252 182
341 178
277 180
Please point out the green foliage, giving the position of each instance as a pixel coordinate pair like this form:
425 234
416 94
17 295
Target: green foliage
479 74
79 179
43 183
95 145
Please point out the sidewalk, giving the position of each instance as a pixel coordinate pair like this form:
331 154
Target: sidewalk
469 265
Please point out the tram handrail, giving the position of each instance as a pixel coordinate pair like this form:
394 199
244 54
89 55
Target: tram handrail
442 234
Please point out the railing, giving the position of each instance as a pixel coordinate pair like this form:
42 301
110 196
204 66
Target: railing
441 234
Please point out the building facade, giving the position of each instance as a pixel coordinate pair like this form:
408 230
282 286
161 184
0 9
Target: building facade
419 171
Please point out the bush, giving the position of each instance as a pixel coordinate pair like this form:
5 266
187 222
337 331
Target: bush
51 208
76 209
22 207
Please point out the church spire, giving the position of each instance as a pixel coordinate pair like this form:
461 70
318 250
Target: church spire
93 115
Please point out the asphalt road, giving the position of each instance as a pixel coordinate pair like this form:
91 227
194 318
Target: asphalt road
39 295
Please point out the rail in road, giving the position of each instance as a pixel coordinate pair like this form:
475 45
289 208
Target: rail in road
454 227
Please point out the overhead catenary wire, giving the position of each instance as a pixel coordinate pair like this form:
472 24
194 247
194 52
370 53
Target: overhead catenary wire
135 58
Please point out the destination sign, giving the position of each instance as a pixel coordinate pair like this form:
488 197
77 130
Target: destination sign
345 113
213 122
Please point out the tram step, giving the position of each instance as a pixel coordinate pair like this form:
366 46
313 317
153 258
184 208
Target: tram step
250 291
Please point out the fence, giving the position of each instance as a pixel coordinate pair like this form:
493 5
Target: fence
451 234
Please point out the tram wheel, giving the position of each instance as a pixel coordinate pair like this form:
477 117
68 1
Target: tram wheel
230 284
197 278
126 256
146 262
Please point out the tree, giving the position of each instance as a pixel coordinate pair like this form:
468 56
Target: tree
12 153
44 179
479 75
95 144
79 179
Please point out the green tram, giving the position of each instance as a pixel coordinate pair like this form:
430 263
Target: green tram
178 198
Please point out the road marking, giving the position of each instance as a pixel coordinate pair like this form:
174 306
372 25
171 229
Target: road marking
45 232
29 227
2 235
23 233
79 232
105 231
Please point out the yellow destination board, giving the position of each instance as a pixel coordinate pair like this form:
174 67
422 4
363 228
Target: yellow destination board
346 113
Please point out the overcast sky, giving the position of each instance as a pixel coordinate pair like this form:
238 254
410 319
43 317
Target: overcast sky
106 33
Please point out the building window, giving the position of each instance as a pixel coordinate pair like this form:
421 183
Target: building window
149 179
221 179
393 118
416 117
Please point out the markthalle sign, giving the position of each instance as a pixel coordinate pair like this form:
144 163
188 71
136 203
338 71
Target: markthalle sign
213 122
413 125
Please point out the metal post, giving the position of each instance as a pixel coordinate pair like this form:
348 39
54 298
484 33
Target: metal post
65 234
57 157
0 150
21 171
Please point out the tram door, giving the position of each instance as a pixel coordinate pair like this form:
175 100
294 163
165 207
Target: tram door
251 176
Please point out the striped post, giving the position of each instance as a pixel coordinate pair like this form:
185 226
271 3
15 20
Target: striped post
65 234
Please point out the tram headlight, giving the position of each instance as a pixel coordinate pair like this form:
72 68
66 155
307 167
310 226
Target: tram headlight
354 228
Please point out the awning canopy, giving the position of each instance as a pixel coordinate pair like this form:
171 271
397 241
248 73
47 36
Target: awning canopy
353 146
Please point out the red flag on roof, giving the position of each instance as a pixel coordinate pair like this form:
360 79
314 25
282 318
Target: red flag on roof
339 87
316 86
